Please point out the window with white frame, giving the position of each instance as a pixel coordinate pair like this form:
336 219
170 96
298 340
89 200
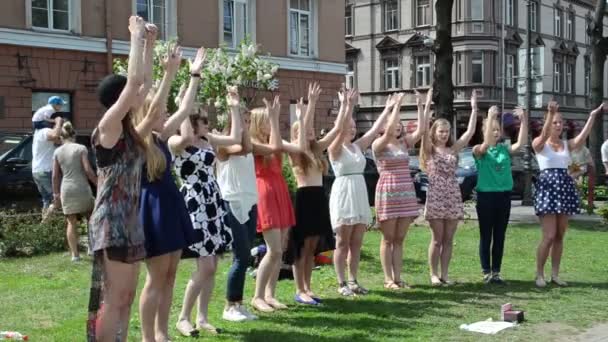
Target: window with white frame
155 12
477 15
423 12
236 18
510 72
459 68
570 26
391 15
510 13
569 78
587 76
391 73
301 28
51 14
350 74
477 67
348 20
423 71
557 77
533 16
459 11
557 22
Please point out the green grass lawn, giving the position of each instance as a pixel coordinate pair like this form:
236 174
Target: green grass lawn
46 297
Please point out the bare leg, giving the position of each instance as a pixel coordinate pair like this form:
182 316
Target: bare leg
437 231
272 237
401 229
120 283
151 294
447 246
310 246
207 269
558 244
271 287
388 228
299 274
164 307
193 289
72 235
343 237
549 226
354 252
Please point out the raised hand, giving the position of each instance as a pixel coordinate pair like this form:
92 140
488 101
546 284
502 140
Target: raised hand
137 25
391 100
274 107
232 98
173 59
341 96
598 110
553 107
418 98
353 97
520 112
314 90
300 109
474 106
151 33
493 112
197 65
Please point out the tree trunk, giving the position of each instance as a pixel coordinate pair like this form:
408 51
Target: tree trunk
443 88
599 49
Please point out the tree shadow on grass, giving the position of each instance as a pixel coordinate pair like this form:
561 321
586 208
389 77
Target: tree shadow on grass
572 225
264 335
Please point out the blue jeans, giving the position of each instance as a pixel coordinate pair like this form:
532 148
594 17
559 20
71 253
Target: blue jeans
243 236
45 187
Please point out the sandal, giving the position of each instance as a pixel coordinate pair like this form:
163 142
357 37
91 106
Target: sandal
261 305
275 304
391 285
356 288
436 281
345 291
186 329
403 285
206 327
447 282
555 280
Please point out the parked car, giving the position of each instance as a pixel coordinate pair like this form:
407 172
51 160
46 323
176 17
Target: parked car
466 174
16 164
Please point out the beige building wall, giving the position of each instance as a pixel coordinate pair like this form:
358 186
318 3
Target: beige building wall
331 31
121 10
198 22
12 14
271 26
94 18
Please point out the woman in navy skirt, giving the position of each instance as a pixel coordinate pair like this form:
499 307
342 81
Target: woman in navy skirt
555 198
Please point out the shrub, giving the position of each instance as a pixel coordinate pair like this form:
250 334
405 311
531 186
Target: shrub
22 234
603 213
288 175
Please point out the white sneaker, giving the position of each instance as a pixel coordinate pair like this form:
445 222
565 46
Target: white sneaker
233 314
243 310
76 259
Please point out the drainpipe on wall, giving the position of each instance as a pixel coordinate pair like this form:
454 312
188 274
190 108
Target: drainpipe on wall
109 56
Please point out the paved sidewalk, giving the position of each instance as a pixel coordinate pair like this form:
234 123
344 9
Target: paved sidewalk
521 214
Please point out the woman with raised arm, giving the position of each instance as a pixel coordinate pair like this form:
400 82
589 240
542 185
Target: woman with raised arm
236 177
494 185
194 151
163 213
72 173
275 211
444 207
396 203
348 202
117 236
312 233
555 198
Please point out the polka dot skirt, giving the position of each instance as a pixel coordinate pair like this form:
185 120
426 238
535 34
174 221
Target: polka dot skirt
555 193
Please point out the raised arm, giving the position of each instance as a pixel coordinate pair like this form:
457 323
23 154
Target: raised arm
110 125
171 64
148 59
468 134
580 139
423 111
244 147
54 134
340 129
488 137
380 144
539 142
275 143
371 134
186 101
522 139
234 104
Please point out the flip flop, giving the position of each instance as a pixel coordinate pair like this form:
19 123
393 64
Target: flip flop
206 327
186 329
299 299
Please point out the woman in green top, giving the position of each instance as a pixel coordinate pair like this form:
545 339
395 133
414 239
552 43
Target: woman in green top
494 185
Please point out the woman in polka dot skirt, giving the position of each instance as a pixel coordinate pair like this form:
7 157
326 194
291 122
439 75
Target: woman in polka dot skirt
556 196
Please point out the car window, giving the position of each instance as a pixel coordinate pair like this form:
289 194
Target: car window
7 143
466 160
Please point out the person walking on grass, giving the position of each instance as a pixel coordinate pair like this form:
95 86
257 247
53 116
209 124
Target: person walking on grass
43 148
555 198
494 186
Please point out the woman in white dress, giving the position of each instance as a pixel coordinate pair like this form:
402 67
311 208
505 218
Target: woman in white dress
348 201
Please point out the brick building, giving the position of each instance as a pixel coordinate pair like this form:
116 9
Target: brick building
64 47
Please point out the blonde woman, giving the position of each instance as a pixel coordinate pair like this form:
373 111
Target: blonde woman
348 203
555 198
72 173
396 203
444 207
194 150
162 212
275 211
312 233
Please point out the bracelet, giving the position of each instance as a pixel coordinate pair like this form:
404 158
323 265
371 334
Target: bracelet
195 75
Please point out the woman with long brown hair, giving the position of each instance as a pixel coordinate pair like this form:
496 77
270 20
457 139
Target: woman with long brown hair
444 207
312 233
117 236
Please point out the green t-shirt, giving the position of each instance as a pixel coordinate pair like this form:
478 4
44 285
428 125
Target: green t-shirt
494 170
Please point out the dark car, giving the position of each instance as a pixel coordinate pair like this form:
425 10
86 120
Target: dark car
371 179
466 174
16 164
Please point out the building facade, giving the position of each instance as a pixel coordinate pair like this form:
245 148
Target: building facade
64 47
388 48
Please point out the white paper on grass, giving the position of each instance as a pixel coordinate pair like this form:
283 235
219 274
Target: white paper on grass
487 327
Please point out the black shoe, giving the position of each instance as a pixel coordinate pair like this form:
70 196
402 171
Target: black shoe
496 279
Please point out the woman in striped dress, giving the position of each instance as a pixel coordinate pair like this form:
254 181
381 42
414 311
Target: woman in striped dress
396 203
